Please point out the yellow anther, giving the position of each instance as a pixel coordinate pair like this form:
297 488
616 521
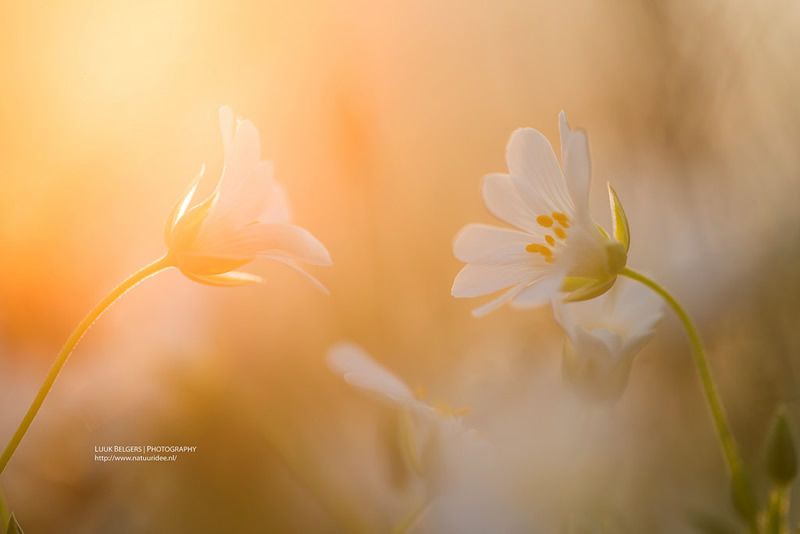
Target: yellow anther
562 219
541 249
550 240
545 221
420 392
560 233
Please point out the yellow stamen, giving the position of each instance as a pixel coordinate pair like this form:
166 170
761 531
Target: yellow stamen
541 249
545 221
550 240
560 233
550 259
562 219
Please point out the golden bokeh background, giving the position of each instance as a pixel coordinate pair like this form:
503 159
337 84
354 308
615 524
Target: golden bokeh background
381 118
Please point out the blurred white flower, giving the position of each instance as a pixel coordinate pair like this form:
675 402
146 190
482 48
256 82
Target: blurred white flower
558 247
246 217
603 337
432 435
465 491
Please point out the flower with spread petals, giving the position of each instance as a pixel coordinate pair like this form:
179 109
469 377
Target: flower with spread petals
246 217
557 246
603 337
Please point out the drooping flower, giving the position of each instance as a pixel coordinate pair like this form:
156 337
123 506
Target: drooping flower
557 247
246 217
433 437
603 337
465 489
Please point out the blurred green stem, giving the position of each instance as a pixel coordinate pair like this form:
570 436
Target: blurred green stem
778 510
411 518
3 513
69 346
743 493
330 500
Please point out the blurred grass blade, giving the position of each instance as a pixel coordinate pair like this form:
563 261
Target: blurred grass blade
781 461
13 526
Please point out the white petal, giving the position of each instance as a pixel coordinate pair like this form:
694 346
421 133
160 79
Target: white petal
242 155
475 279
637 341
276 239
563 314
610 338
585 254
503 200
588 346
237 207
358 369
636 308
497 302
481 243
277 209
578 170
539 292
536 173
300 270
564 130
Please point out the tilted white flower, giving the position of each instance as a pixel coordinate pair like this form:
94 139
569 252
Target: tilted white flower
434 441
246 217
466 492
558 247
603 337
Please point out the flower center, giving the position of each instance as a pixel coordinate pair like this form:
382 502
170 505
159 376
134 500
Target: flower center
558 223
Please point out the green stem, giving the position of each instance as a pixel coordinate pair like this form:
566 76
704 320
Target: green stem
777 520
4 513
69 346
743 493
411 518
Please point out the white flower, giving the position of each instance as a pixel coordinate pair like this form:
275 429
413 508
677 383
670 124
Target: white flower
246 217
603 337
434 440
466 492
558 246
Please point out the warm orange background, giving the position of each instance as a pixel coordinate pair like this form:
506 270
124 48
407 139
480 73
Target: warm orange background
381 118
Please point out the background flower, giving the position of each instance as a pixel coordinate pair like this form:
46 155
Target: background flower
604 335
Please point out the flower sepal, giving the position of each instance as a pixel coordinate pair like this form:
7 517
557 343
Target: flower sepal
180 207
622 230
617 257
579 289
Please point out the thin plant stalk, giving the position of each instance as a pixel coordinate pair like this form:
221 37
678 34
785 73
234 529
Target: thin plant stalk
69 346
741 486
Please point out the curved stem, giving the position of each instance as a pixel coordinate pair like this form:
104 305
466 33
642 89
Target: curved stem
69 346
742 492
